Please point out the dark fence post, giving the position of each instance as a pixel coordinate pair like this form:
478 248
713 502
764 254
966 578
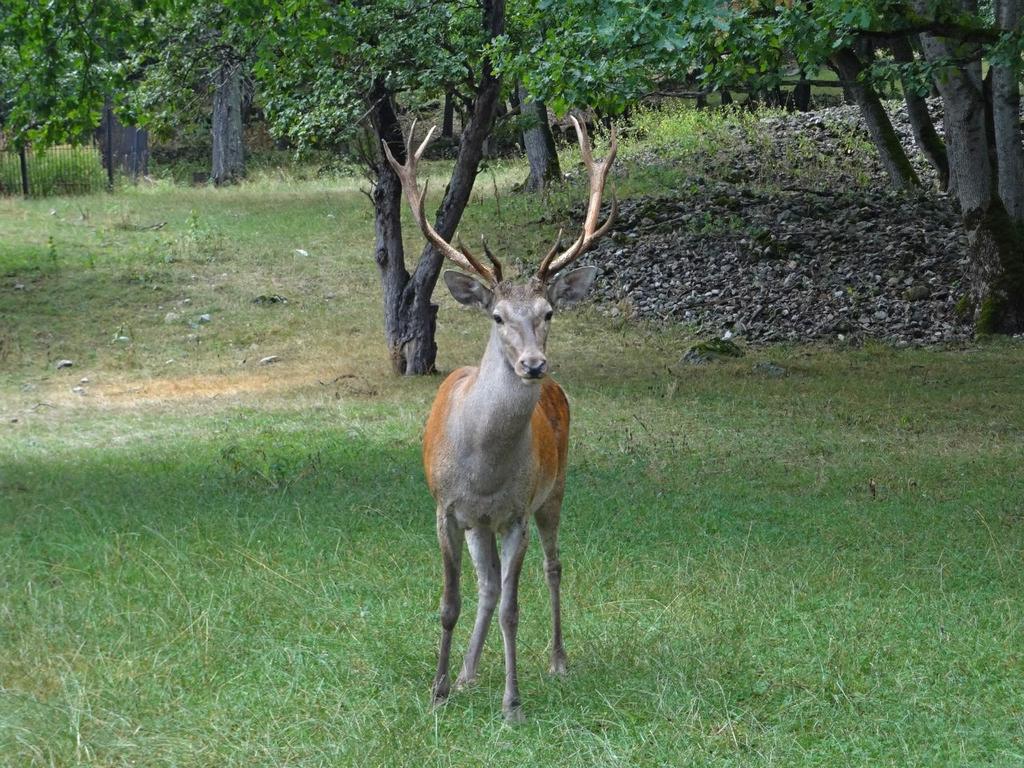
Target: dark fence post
23 157
108 144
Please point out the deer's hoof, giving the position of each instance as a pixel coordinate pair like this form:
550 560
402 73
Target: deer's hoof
559 665
514 715
512 709
464 681
440 691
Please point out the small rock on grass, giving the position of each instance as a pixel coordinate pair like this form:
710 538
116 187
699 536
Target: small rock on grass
64 364
770 369
269 359
268 299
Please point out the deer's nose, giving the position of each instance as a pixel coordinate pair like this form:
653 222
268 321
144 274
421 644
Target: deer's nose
533 367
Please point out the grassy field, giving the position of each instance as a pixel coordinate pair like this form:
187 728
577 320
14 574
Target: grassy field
209 562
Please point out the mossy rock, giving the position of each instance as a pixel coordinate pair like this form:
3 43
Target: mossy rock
917 293
769 247
990 315
729 202
964 308
704 352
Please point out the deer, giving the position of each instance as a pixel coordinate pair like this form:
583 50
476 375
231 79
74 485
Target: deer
496 440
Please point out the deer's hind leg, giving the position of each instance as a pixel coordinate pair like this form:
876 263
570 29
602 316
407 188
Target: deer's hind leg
547 518
450 537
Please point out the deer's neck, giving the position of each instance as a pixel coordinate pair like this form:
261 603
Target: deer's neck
499 405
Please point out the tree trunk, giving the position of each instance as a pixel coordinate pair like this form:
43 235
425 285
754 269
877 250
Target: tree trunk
389 252
772 97
1006 122
887 142
996 275
539 144
925 135
802 94
228 149
516 108
448 123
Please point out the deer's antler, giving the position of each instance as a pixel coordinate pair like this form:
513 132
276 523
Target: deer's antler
598 173
461 256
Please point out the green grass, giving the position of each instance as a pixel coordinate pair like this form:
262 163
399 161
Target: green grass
207 562
680 149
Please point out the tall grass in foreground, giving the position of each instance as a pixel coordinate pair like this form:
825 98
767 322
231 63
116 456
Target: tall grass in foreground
824 570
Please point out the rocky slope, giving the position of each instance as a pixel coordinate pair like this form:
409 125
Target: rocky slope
822 256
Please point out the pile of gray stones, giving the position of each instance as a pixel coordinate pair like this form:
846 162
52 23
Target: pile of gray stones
828 258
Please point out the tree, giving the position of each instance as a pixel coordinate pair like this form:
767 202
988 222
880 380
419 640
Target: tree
411 341
330 68
895 161
925 135
335 70
226 125
996 240
1006 115
193 69
59 64
539 143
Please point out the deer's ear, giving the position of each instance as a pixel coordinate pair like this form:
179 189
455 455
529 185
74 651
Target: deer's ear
571 286
467 291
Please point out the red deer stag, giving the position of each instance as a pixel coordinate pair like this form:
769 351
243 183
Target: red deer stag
497 436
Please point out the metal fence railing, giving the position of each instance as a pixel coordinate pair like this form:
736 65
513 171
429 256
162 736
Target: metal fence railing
61 170
111 152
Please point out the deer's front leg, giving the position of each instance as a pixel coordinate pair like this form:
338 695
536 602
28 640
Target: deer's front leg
450 537
484 551
513 549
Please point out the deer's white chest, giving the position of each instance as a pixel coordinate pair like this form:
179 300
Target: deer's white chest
488 489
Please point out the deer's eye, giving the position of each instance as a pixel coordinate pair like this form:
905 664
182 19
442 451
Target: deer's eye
549 315
498 320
